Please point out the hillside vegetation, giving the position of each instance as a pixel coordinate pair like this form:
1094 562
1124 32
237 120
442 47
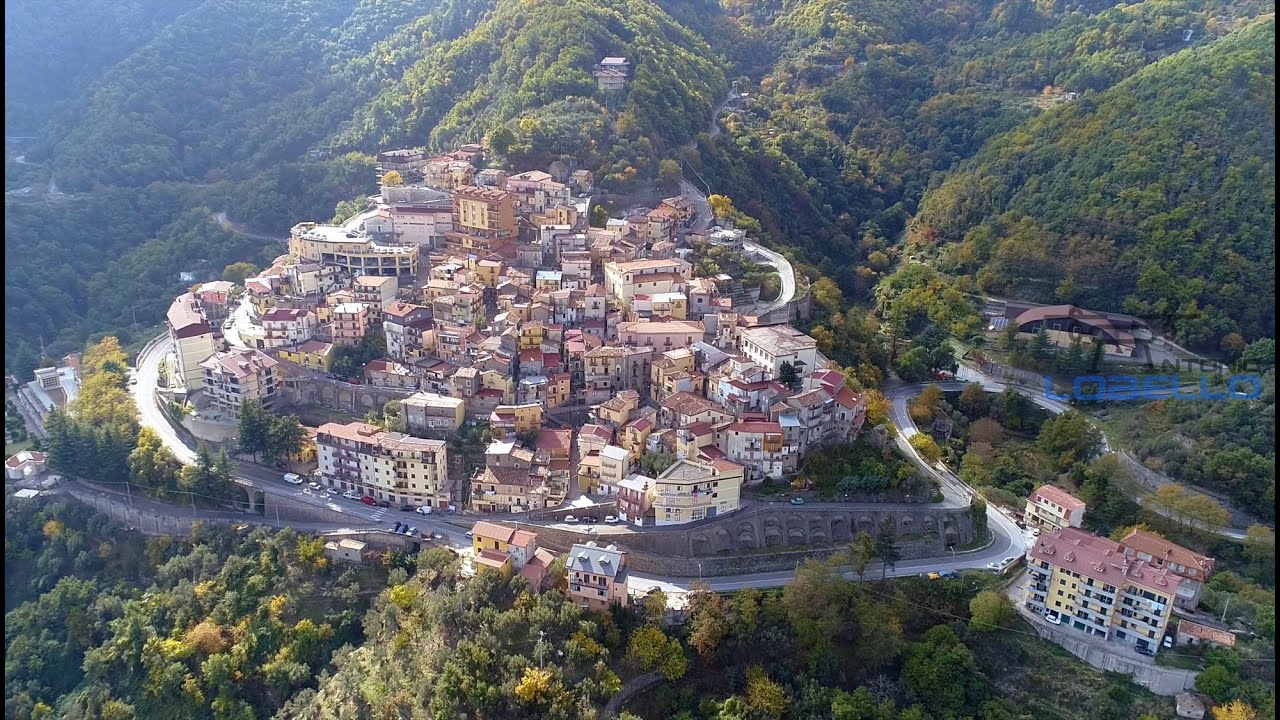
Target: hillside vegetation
1155 197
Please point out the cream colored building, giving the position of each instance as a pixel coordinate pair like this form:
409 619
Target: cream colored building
690 491
378 292
661 335
624 280
351 251
433 414
615 465
192 339
597 576
387 466
350 323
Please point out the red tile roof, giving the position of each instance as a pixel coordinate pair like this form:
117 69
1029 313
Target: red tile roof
1059 497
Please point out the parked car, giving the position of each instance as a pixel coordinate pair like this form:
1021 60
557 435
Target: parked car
611 518
797 500
424 510
398 527
1021 525
993 565
384 503
331 491
412 531
314 486
1008 561
570 519
469 533
949 574
406 508
351 495
1144 650
437 536
1036 532
369 500
1055 619
293 478
1168 641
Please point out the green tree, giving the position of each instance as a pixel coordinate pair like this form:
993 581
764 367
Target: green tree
862 552
764 695
887 547
788 376
973 400
152 465
989 610
1069 438
669 175
941 674
254 433
285 437
237 272
1097 356
926 448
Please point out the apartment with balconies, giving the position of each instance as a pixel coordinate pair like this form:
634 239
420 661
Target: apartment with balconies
388 466
772 345
1052 508
1193 567
624 280
484 222
433 415
234 378
287 326
689 491
351 321
1081 581
757 446
378 292
661 335
610 370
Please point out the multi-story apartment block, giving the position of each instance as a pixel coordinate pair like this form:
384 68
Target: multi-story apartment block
1050 507
773 345
508 489
232 378
484 222
1192 567
192 339
634 436
1079 580
610 370
661 335
597 576
536 191
432 414
410 161
413 215
446 172
378 292
287 326
350 323
351 251
617 410
690 491
214 299
624 280
757 446
611 73
388 466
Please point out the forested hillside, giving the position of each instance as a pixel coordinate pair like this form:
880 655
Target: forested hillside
855 112
1155 197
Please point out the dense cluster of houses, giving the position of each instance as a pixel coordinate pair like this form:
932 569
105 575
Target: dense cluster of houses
498 304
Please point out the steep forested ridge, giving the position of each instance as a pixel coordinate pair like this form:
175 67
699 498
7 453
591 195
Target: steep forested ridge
1155 197
856 111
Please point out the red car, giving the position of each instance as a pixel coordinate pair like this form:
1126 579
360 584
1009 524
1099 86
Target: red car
369 500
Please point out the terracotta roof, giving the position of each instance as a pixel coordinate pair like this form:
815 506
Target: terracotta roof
356 431
1101 559
1206 633
686 403
756 427
492 558
493 531
185 318
522 538
1059 497
551 439
26 456
240 363
699 428
1088 317
848 398
1164 552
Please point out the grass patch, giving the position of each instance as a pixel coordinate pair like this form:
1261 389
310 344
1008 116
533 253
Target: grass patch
10 449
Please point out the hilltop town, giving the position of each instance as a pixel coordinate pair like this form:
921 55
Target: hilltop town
475 298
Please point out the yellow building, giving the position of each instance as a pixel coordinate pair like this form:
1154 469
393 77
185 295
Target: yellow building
1085 582
617 410
532 335
312 354
494 380
488 272
353 252
690 491
509 420
635 435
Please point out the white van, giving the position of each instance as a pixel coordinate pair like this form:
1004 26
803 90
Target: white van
293 478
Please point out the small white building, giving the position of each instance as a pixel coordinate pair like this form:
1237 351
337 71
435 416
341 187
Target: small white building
25 464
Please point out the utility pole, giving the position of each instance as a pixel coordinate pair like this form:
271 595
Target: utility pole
1224 608
129 493
541 635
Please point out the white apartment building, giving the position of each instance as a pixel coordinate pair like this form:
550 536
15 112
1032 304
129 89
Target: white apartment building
772 345
192 338
690 491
